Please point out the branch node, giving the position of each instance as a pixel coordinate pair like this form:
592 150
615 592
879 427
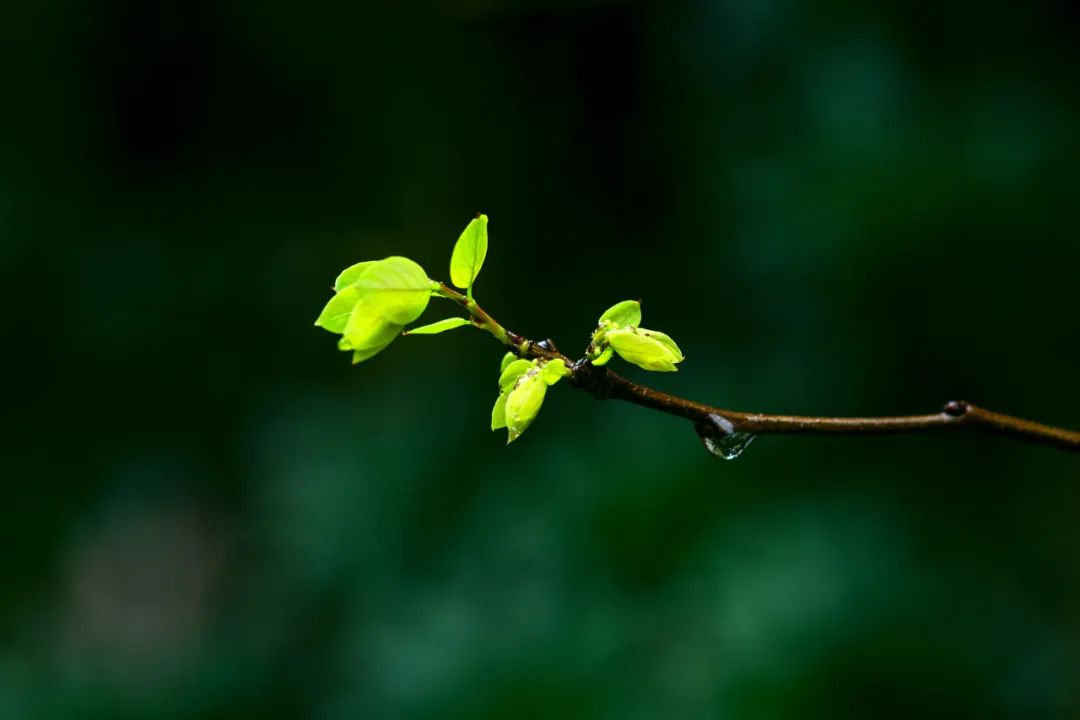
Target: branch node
586 376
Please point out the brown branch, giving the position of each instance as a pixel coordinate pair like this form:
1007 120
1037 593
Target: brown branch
605 384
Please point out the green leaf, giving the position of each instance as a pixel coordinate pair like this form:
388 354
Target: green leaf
336 313
511 374
523 405
666 341
367 332
554 371
645 351
437 327
624 314
507 359
396 288
498 413
351 274
469 253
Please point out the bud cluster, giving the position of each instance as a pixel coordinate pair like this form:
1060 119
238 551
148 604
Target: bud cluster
522 387
618 331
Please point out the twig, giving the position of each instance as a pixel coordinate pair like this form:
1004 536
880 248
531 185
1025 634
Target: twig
604 384
955 414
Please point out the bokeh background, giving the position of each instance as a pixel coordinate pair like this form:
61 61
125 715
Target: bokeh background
836 208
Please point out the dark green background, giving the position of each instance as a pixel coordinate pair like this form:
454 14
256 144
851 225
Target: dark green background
835 208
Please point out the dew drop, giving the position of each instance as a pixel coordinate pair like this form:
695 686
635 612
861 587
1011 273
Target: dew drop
728 446
721 439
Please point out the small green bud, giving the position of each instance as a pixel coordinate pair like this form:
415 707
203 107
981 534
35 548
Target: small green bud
647 349
523 403
522 387
618 331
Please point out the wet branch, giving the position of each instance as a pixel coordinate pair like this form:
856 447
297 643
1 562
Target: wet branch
711 421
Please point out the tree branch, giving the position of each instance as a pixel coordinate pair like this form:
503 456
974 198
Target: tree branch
711 421
604 383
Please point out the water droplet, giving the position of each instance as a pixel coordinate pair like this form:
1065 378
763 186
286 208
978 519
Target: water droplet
721 438
728 446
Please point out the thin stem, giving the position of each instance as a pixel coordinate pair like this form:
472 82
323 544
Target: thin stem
521 346
479 318
604 384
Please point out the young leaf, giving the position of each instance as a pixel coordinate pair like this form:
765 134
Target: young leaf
396 288
367 332
498 413
553 371
645 351
511 374
336 313
507 359
437 327
351 274
624 314
523 405
469 253
665 340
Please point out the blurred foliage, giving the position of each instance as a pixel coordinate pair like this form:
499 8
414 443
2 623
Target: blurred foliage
209 513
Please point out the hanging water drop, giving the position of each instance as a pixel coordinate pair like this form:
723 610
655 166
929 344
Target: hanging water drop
721 439
728 446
